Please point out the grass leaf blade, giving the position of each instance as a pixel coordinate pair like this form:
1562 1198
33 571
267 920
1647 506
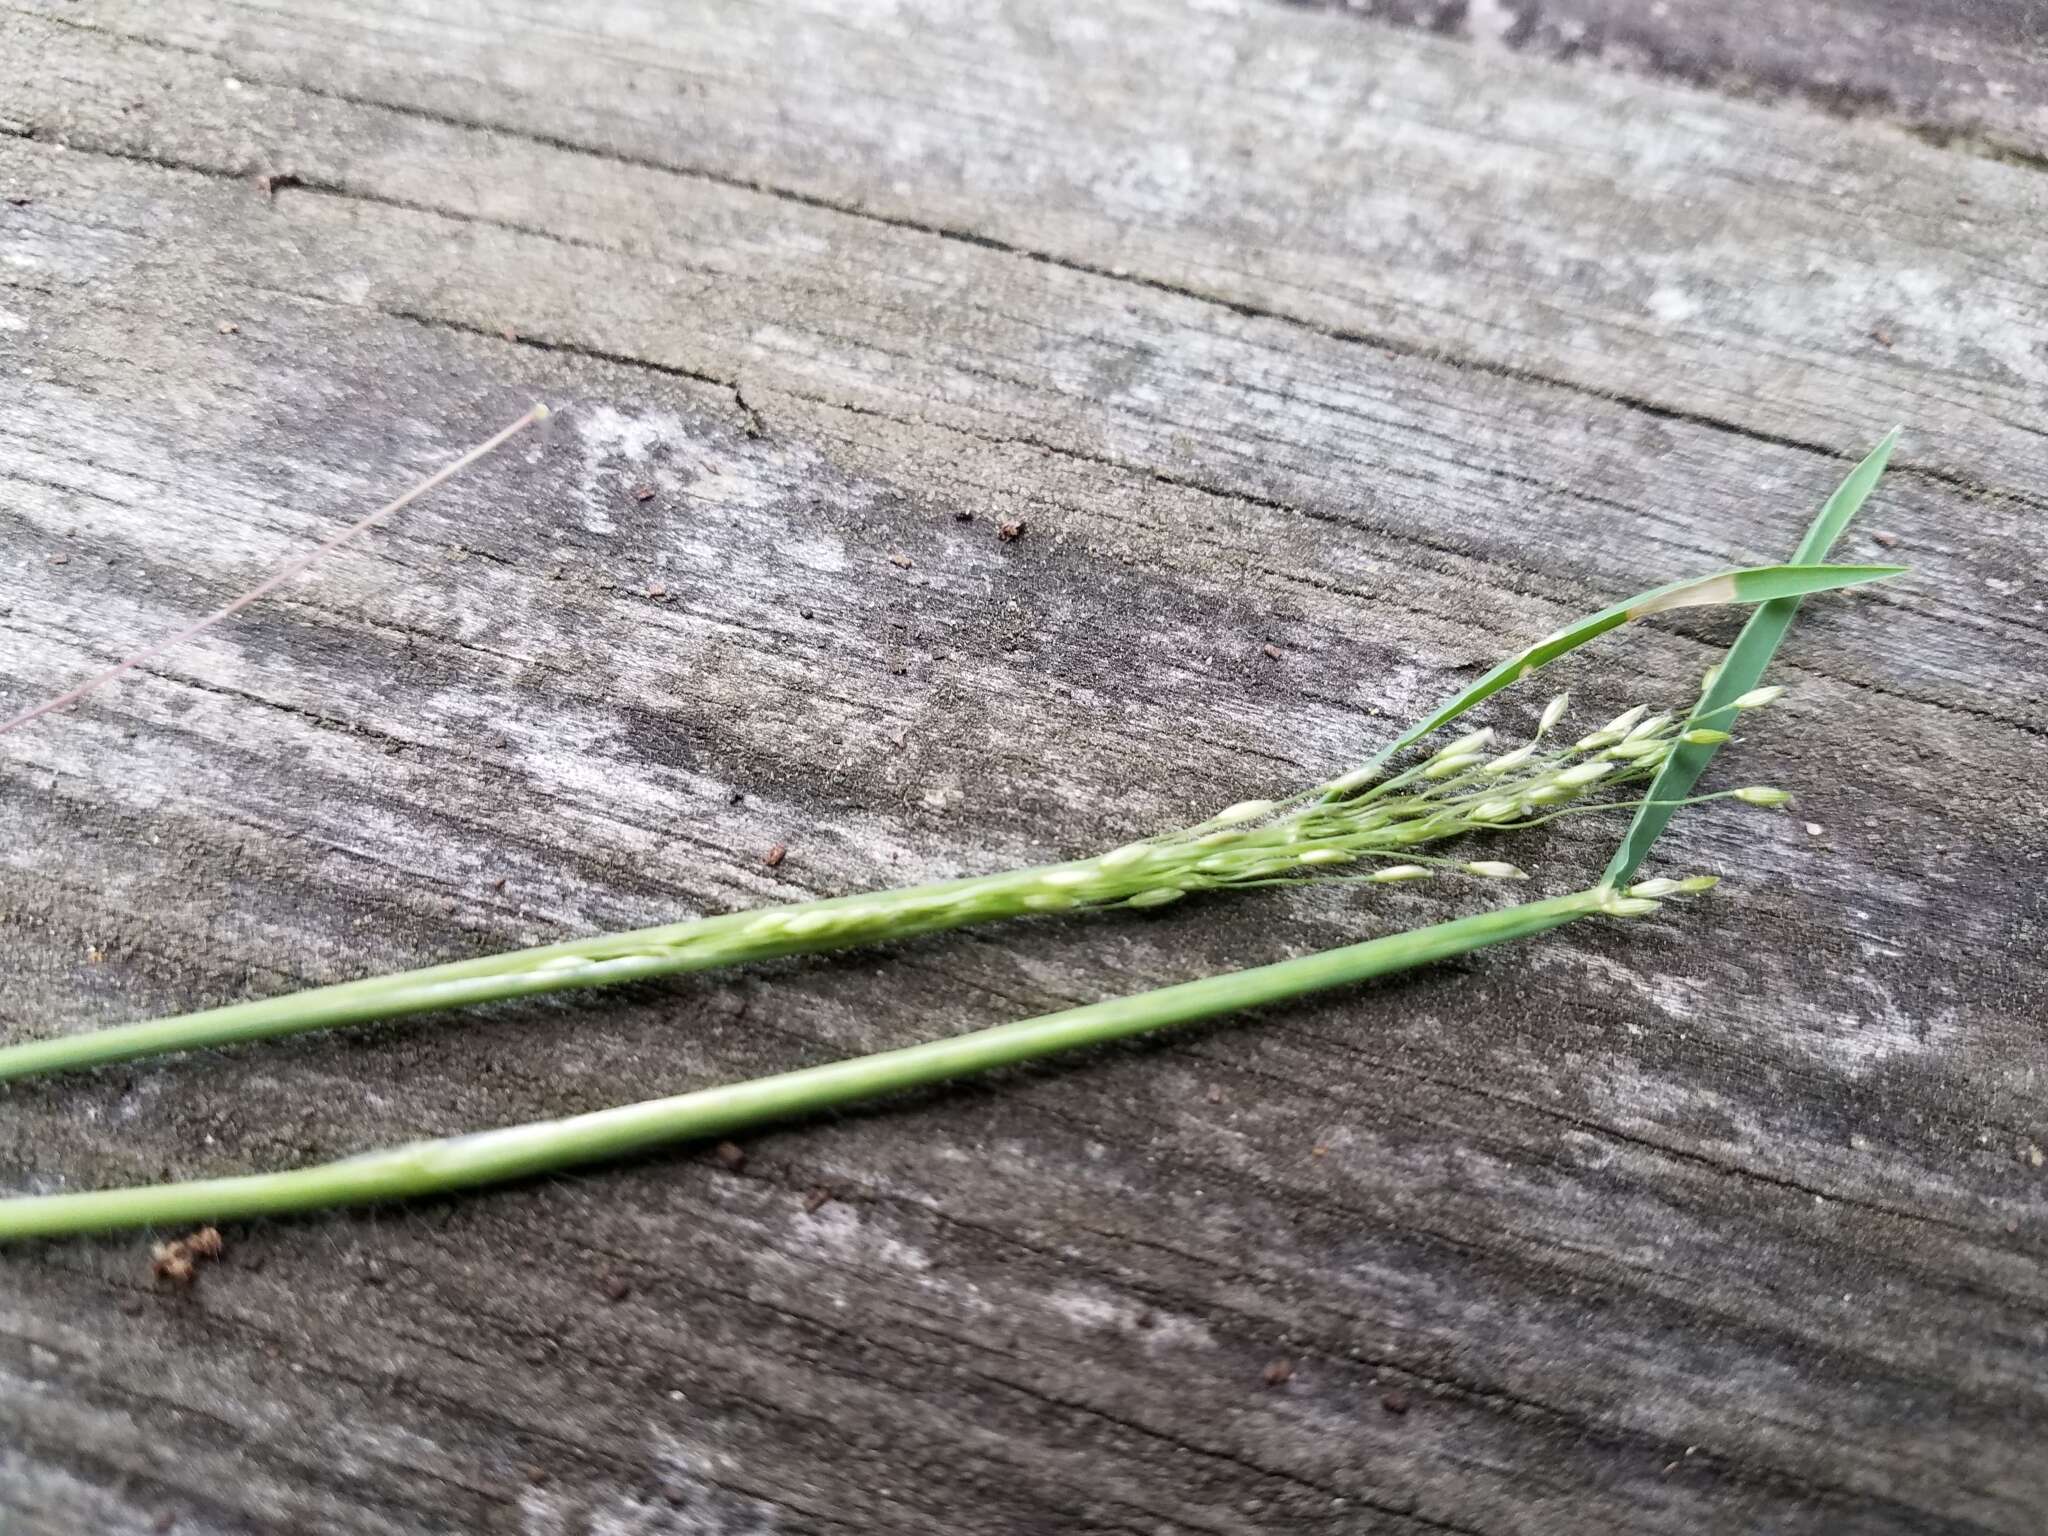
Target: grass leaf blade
1743 667
1756 584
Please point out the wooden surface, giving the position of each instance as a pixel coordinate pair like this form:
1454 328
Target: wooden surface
1967 74
1383 341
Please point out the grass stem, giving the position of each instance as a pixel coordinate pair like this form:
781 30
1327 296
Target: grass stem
487 1157
1346 819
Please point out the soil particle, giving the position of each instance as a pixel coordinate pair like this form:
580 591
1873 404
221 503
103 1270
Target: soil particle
176 1263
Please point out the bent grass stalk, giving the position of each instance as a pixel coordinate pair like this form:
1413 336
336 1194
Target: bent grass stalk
487 1157
1460 789
1736 678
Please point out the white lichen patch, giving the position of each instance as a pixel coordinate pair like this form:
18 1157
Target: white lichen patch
690 1496
841 1235
1092 1312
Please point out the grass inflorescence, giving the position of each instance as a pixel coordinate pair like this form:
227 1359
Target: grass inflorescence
1378 824
1356 817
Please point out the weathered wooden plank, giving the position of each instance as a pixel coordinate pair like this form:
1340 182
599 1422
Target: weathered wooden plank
1192 392
1796 275
1589 1208
1969 73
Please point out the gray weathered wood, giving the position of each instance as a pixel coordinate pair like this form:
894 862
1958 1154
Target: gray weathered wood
1972 74
1807 280
1727 1222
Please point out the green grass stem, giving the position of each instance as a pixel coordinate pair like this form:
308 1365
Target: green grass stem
1339 823
1258 843
488 1157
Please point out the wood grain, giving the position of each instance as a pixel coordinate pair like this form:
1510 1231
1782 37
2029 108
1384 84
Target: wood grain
1726 1222
1969 74
1808 280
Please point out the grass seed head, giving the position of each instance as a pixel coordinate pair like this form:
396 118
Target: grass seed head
1441 767
1508 761
1637 749
1128 854
1494 869
1243 811
1617 905
1690 885
1158 896
1475 741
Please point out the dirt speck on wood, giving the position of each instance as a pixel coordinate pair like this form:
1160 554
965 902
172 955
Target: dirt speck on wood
177 1262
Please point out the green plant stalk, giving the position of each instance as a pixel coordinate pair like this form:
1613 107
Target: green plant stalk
1341 825
488 1157
1742 668
1310 841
